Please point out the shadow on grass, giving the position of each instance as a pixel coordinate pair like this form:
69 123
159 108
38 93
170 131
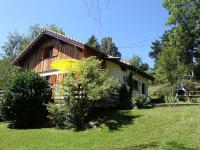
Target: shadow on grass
154 145
21 126
177 146
113 119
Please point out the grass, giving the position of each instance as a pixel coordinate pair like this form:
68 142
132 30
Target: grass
160 128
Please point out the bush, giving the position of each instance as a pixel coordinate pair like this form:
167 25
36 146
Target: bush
59 116
126 91
194 100
82 89
140 101
1 104
157 91
24 100
170 99
1 118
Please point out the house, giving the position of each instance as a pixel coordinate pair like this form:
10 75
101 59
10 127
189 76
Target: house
50 46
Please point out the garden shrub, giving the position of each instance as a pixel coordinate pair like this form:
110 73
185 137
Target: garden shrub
126 91
1 118
160 90
24 100
170 99
59 116
194 100
140 101
82 89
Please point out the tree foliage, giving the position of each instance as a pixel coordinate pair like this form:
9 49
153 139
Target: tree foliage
6 72
16 42
82 89
157 45
109 47
137 61
24 100
93 42
177 52
12 46
106 46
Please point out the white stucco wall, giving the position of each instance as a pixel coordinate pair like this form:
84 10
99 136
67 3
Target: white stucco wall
116 71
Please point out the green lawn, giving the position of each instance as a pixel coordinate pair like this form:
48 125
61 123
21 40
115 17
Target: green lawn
160 128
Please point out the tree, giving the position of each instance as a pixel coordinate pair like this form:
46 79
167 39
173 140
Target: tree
144 67
17 42
137 61
24 100
157 45
156 50
176 54
11 47
109 47
169 68
6 72
184 19
93 42
84 87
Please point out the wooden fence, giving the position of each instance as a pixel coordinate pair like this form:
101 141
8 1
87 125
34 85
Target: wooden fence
192 94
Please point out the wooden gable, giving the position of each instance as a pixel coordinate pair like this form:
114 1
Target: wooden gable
40 59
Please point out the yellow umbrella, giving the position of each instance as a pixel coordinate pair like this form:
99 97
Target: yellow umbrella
65 65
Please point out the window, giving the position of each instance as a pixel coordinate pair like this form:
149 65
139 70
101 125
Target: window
135 84
48 52
143 89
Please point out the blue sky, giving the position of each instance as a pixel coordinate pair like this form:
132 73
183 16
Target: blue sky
132 24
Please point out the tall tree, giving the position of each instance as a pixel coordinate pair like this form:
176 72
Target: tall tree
177 53
169 68
184 19
109 47
93 42
6 71
11 47
137 61
157 45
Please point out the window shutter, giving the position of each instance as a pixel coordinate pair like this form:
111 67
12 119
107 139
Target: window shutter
55 52
53 79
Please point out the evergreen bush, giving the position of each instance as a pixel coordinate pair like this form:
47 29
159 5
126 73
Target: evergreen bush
140 101
24 100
